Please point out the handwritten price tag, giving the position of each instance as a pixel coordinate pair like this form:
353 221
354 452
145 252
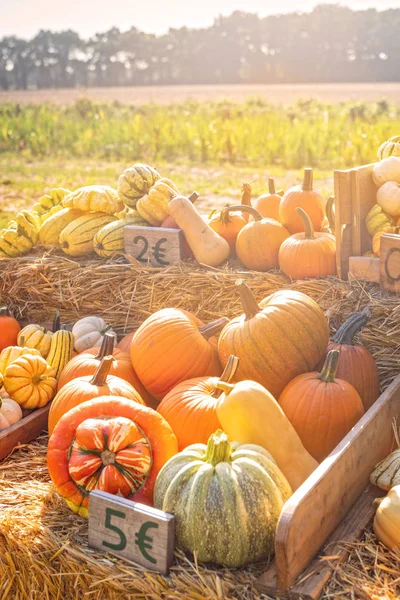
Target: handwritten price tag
131 530
157 246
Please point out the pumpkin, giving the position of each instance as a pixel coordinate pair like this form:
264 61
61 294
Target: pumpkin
321 408
387 519
154 206
208 247
191 406
389 148
388 169
88 333
9 329
219 494
388 197
87 387
282 337
305 197
61 348
376 239
268 204
11 353
377 220
172 346
258 243
227 226
38 337
308 254
356 364
108 443
95 198
125 343
135 182
30 381
10 413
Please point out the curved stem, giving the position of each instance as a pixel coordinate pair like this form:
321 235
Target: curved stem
271 185
218 448
308 226
330 212
56 321
308 180
330 367
212 328
224 386
103 331
246 209
107 346
102 371
249 303
246 194
227 375
349 328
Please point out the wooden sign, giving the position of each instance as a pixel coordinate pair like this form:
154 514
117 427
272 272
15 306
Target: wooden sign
390 262
155 246
131 530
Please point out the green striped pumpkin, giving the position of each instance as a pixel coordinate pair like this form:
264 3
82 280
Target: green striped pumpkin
110 238
135 182
389 148
226 498
76 239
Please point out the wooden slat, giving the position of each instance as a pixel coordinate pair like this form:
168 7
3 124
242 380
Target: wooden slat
365 268
343 221
390 262
314 511
24 431
363 197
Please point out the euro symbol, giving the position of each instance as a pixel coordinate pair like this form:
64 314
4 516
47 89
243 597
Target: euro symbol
144 542
159 253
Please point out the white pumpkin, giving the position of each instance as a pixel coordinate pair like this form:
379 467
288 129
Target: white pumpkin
388 197
89 332
387 169
10 412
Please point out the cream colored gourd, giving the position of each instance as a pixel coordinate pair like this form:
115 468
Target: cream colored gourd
387 472
89 332
249 414
208 247
10 412
387 169
387 519
388 197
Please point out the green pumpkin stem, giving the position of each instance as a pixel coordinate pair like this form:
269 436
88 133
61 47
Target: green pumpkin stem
330 212
308 226
330 367
349 328
103 331
102 371
271 185
218 448
107 346
212 328
308 180
249 303
56 321
245 209
227 375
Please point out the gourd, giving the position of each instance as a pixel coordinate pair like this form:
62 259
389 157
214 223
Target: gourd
208 247
268 204
61 348
283 336
85 388
10 413
258 243
110 238
387 519
76 239
38 337
305 197
47 203
308 254
135 182
11 353
88 332
250 414
376 239
28 224
30 381
50 230
9 329
386 473
172 346
377 220
14 243
154 206
389 148
191 406
94 198
385 170
220 494
126 444
388 197
321 408
169 222
356 364
227 226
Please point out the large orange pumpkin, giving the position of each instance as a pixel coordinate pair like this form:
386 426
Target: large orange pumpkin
9 329
321 408
85 388
268 204
112 444
356 363
282 337
228 227
305 197
190 407
170 347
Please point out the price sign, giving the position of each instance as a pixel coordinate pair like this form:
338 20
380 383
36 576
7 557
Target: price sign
157 246
131 530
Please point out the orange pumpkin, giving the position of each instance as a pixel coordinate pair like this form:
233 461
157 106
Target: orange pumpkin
170 347
258 243
30 381
308 254
9 329
125 445
321 408
268 204
125 343
307 198
85 388
191 407
228 227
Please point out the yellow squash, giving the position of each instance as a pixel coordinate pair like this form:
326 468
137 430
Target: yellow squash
110 238
29 225
61 349
377 220
14 243
96 198
154 207
387 519
135 182
76 239
30 381
10 354
50 230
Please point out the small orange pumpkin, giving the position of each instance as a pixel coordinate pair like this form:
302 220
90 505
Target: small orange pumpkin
227 226
268 204
30 381
305 197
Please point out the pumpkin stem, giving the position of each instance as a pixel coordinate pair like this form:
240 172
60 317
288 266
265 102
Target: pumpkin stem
308 226
103 331
4 312
330 367
224 216
349 328
227 374
218 448
246 194
194 196
308 180
245 209
22 341
249 303
224 386
330 212
271 185
377 501
56 321
212 328
107 346
108 457
102 371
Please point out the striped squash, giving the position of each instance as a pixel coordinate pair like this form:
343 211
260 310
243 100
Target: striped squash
49 233
110 238
389 148
76 238
61 348
135 182
154 206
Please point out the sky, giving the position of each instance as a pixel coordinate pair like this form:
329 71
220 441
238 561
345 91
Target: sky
25 18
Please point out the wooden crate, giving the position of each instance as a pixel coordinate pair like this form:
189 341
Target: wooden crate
355 195
27 429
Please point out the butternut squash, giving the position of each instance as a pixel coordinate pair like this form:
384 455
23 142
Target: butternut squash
249 414
208 247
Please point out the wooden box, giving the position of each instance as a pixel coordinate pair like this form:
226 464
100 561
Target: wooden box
28 428
355 195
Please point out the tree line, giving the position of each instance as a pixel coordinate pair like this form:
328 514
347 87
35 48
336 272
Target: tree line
330 44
